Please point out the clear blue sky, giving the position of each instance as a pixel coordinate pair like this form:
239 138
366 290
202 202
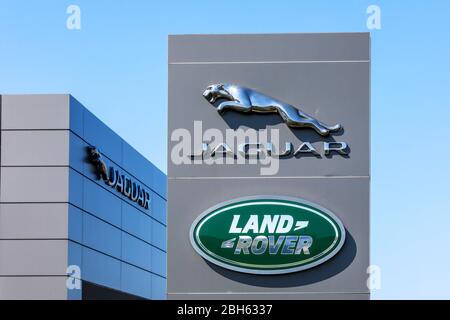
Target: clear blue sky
116 65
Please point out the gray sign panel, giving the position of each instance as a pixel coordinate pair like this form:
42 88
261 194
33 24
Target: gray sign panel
326 76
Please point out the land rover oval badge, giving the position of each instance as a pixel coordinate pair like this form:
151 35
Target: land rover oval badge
267 235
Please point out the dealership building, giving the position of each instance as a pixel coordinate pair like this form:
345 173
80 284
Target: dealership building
82 213
267 189
272 202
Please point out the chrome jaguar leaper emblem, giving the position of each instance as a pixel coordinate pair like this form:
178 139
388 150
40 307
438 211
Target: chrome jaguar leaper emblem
248 100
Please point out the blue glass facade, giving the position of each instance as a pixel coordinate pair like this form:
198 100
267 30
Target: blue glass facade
117 243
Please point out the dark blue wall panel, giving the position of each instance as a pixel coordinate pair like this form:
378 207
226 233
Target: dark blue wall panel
118 243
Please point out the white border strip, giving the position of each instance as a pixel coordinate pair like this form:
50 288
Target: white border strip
263 62
270 177
272 292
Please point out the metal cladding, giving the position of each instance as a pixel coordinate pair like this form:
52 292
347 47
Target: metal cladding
269 166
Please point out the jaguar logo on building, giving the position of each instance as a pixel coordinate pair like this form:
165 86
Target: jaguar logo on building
267 235
115 179
243 99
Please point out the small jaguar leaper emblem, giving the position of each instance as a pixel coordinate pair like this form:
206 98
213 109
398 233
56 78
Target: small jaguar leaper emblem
244 99
100 167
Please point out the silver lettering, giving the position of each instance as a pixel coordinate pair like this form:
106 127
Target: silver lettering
147 200
119 184
243 244
234 228
127 187
134 192
339 147
262 248
112 179
269 223
223 149
289 245
306 147
248 150
304 243
141 196
285 153
275 246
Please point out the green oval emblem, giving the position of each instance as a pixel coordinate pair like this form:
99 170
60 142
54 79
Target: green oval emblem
267 235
